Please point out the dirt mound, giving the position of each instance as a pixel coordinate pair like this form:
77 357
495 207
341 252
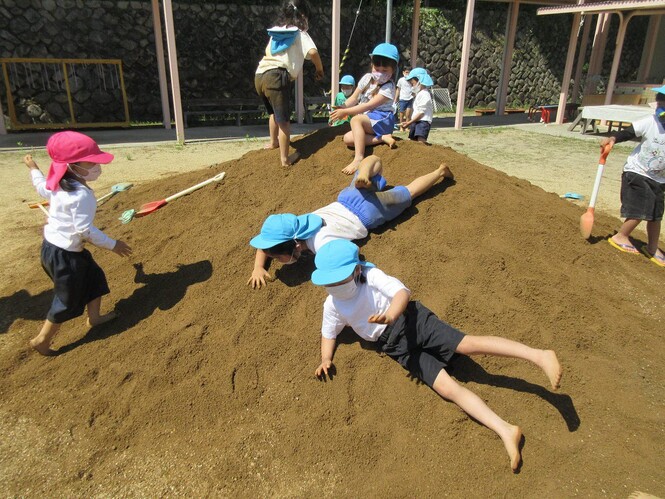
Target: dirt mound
204 386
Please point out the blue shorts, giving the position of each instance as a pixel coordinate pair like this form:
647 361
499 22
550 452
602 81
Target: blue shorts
419 129
405 104
375 208
383 122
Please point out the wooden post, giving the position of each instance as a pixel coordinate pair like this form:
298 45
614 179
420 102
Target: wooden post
568 69
334 67
511 29
173 65
464 65
581 57
161 67
415 28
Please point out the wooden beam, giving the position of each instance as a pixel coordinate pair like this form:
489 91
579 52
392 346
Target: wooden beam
161 67
173 65
464 65
504 79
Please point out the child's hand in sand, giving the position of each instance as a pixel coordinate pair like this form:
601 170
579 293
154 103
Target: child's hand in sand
260 278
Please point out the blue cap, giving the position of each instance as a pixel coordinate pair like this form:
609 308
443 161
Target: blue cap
659 90
421 75
386 50
348 80
279 229
336 261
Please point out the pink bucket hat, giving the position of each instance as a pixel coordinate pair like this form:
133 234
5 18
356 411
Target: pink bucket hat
71 147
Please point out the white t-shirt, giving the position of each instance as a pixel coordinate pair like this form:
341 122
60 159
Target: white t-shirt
405 89
340 223
70 216
423 104
648 158
292 59
372 297
367 87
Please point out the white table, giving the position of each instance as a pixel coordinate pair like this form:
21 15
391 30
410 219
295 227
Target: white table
589 115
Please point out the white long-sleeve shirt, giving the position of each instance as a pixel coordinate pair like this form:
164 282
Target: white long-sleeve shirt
71 216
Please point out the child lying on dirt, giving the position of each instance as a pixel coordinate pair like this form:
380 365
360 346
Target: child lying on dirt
378 309
360 207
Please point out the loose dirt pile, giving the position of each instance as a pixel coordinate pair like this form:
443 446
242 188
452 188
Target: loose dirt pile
204 386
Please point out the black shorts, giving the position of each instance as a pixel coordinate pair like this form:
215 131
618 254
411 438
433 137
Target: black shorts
641 197
77 279
421 342
274 88
419 129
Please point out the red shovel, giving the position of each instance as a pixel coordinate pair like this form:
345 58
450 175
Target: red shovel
586 220
148 208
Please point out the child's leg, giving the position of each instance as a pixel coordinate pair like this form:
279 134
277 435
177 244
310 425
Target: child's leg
42 342
424 183
653 234
94 318
274 131
474 406
361 129
495 345
367 168
284 139
626 229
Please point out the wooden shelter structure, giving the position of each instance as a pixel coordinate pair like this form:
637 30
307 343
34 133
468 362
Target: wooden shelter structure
582 15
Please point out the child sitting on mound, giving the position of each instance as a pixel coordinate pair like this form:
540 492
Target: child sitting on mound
378 308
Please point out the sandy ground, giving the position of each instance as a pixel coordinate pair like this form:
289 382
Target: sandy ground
205 387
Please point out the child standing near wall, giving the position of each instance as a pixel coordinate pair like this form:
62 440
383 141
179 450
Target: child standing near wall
79 282
289 46
423 107
404 97
378 308
371 106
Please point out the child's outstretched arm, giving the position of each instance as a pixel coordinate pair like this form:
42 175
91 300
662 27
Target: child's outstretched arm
349 110
327 352
38 180
259 274
397 307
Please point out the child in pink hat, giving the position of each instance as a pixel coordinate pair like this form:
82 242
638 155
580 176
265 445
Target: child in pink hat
78 280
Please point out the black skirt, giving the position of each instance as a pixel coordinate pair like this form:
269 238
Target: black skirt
77 279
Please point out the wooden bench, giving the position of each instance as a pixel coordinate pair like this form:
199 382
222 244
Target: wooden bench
316 105
484 111
231 107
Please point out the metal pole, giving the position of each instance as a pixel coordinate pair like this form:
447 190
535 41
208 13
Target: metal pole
415 28
334 70
389 18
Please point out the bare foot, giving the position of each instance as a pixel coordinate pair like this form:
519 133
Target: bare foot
363 182
41 347
390 140
445 171
512 441
270 145
291 159
351 168
102 319
549 363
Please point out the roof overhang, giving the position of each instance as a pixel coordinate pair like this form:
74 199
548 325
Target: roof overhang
649 6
